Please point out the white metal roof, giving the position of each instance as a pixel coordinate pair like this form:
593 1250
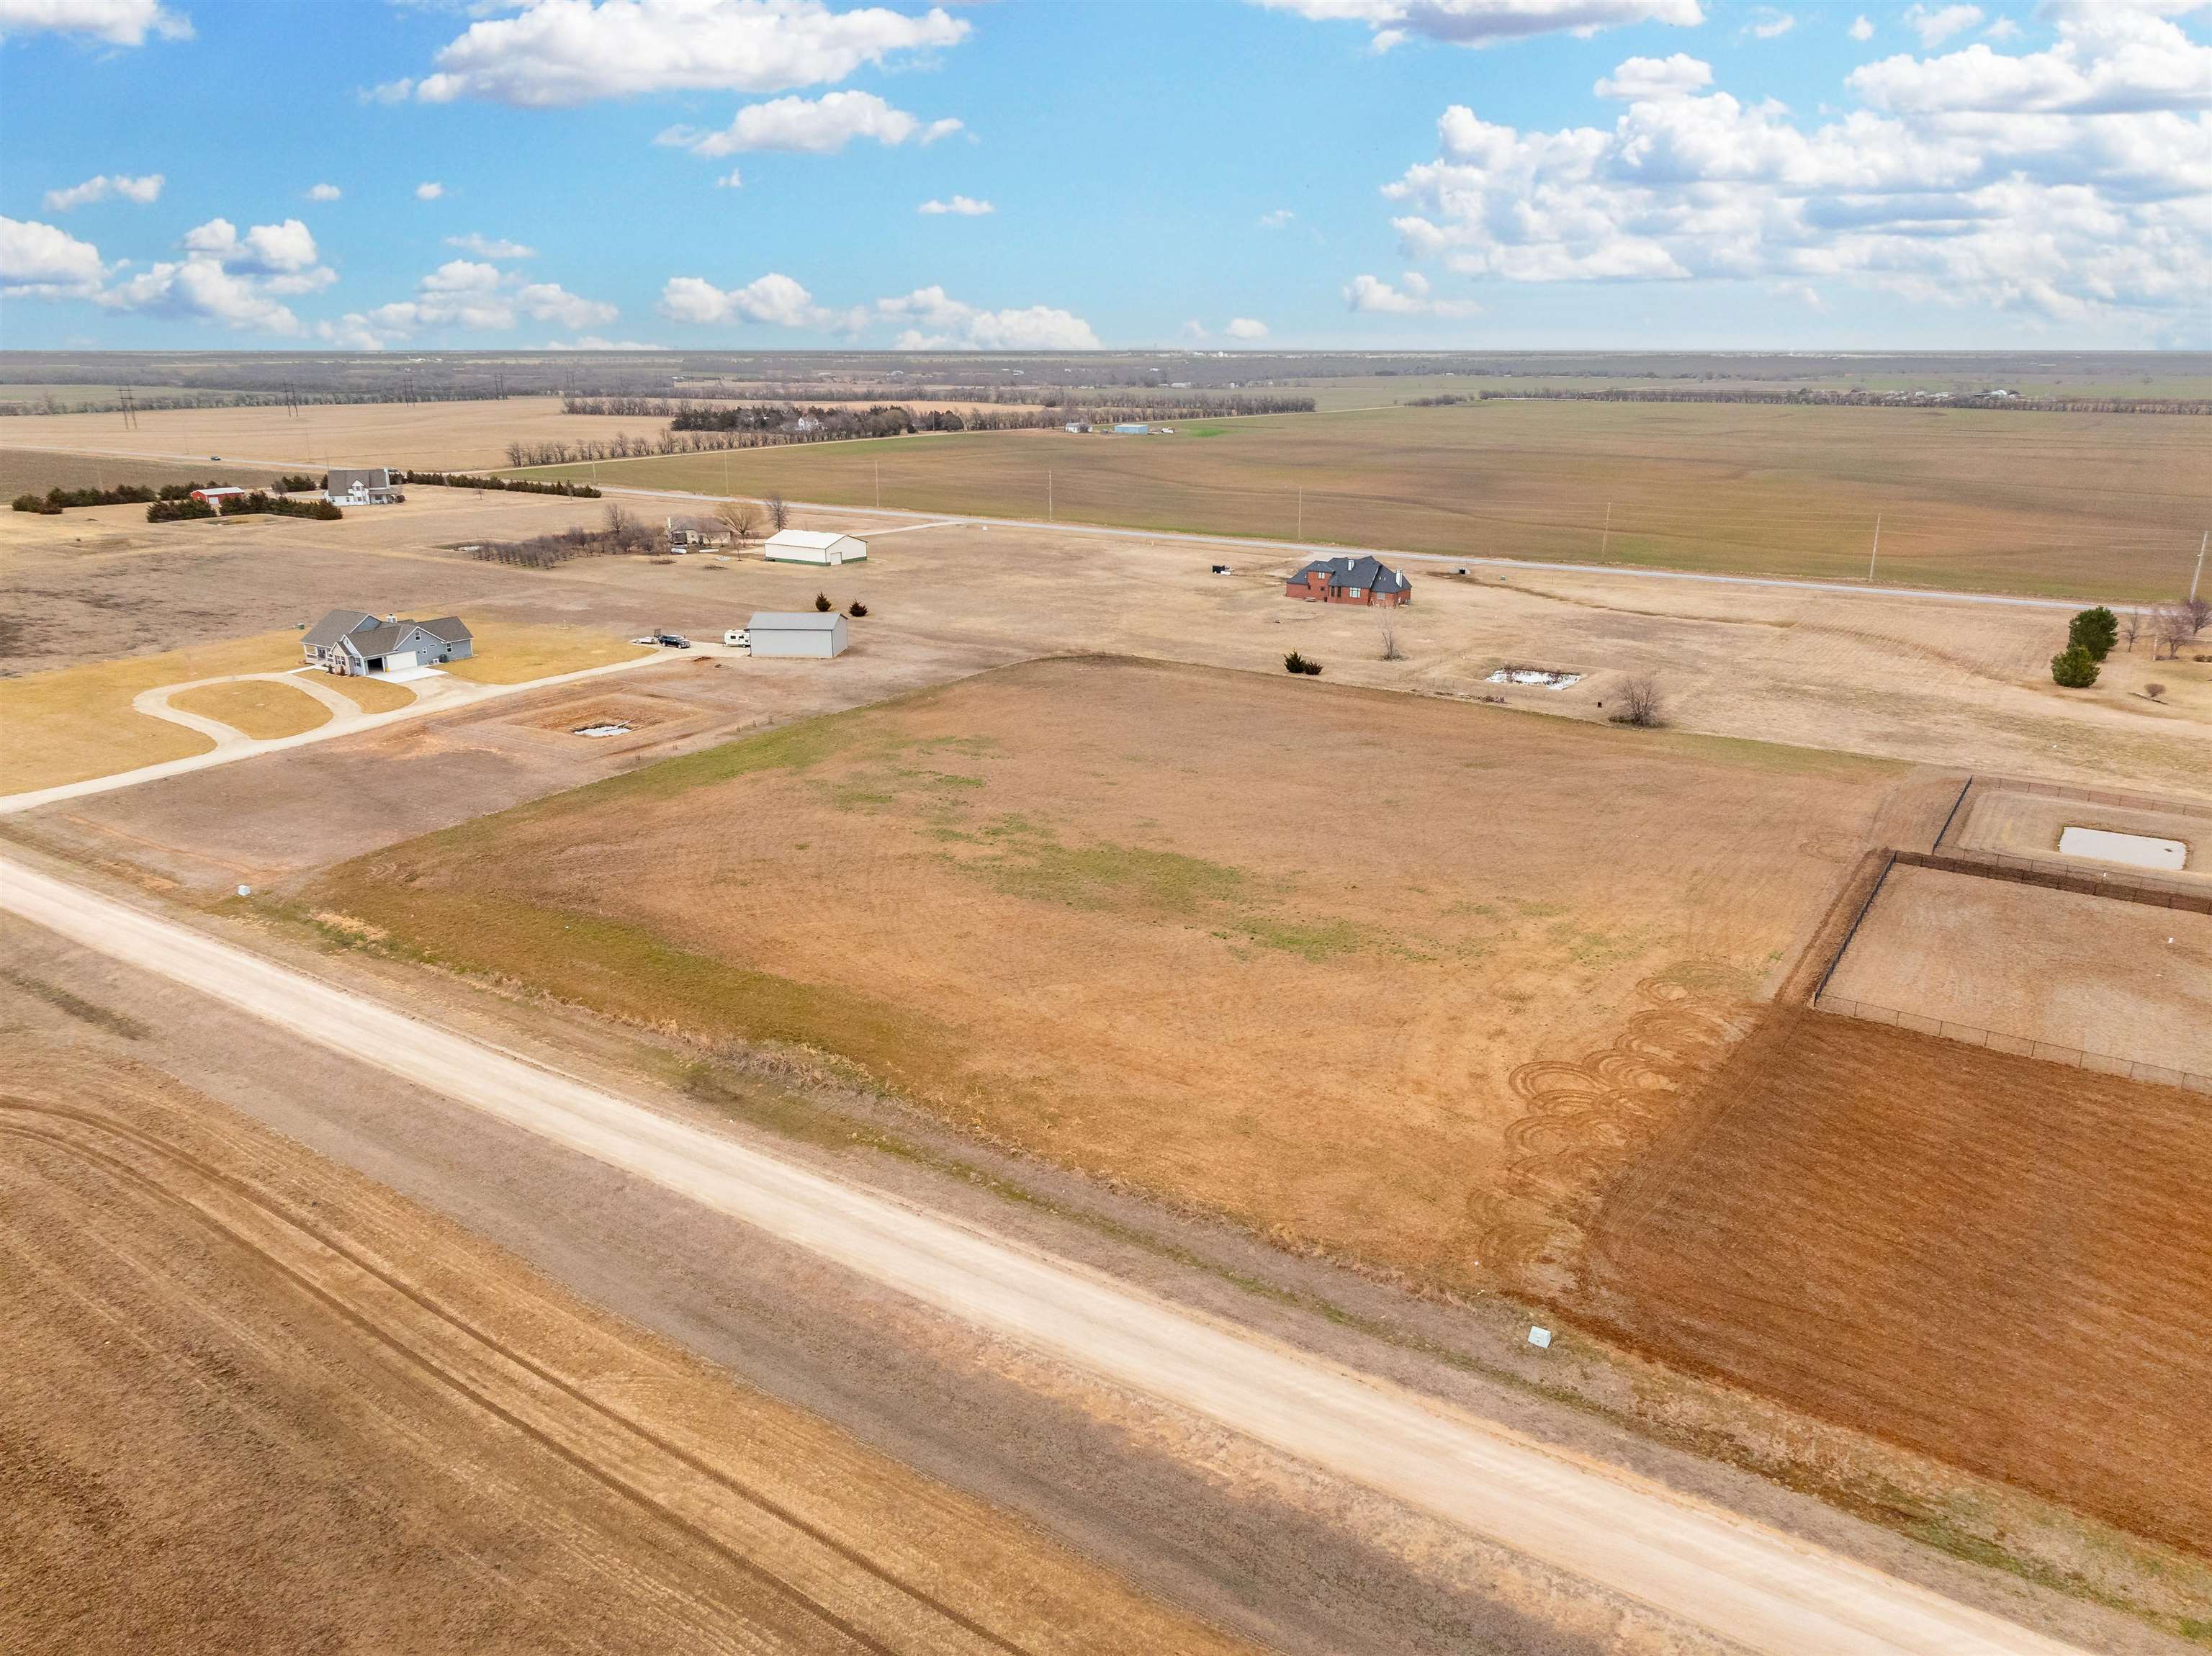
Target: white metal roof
814 537
793 621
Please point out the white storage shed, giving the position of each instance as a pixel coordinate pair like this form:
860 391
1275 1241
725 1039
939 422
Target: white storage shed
800 633
815 546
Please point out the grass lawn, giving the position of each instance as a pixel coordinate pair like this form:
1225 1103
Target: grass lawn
259 707
2096 505
76 723
375 695
511 653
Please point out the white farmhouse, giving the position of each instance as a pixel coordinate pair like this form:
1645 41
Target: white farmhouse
821 546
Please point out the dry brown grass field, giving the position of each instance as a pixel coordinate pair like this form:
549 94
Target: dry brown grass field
78 722
2117 979
259 707
256 1402
2002 1262
1300 954
429 436
2071 505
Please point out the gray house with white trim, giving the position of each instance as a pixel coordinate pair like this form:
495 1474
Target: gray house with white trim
352 641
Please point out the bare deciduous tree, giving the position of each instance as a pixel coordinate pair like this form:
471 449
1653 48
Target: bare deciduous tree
2199 611
1641 701
2172 626
744 521
779 511
2153 690
2131 626
1389 629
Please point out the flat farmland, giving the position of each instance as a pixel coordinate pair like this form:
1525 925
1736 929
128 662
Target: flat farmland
2002 1262
2099 505
256 1402
428 436
1371 974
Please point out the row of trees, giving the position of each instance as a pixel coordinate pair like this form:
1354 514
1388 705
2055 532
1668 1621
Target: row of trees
240 506
511 485
2093 634
1860 399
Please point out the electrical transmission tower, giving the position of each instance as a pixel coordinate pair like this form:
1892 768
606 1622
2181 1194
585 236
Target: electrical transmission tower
130 411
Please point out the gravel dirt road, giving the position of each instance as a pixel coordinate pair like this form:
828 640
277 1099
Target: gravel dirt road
1737 1579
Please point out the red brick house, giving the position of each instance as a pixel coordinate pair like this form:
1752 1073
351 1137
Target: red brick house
1350 580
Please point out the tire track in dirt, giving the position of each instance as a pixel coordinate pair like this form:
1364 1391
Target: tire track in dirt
1585 1116
879 1612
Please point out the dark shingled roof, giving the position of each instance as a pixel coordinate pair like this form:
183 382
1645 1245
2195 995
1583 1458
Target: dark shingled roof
1367 573
336 624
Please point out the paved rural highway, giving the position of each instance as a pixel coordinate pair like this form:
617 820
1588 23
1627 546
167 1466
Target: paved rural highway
1765 1590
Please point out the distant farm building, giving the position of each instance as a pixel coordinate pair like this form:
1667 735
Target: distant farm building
363 486
797 633
1134 429
700 531
1350 580
814 546
217 494
353 642
1078 426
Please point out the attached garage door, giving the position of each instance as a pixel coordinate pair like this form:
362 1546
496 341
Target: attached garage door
403 660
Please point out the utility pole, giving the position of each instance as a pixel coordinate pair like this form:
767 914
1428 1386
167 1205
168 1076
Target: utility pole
1876 553
1302 513
2199 575
1607 541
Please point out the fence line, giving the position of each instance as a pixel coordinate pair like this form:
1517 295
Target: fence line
1975 1035
2103 796
1936 844
2020 871
1858 920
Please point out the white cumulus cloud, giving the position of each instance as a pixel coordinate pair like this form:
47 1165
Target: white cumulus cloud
1411 297
775 300
1861 29
1768 24
1976 179
939 322
466 296
559 53
286 249
1276 219
2113 59
430 190
1246 327
141 189
966 207
1936 24
815 127
40 261
325 192
1657 78
118 22
490 247
1480 23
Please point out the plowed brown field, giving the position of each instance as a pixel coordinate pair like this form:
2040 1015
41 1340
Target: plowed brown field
254 1402
1396 977
2005 1262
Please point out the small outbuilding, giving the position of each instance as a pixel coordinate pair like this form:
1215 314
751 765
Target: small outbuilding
684 532
821 546
797 633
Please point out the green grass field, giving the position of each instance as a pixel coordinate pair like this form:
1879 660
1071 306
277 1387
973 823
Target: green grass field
2099 505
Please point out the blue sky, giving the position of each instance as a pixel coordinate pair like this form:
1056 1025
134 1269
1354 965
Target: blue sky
753 173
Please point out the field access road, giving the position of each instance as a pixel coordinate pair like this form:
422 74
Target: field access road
440 694
1301 548
1740 1580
